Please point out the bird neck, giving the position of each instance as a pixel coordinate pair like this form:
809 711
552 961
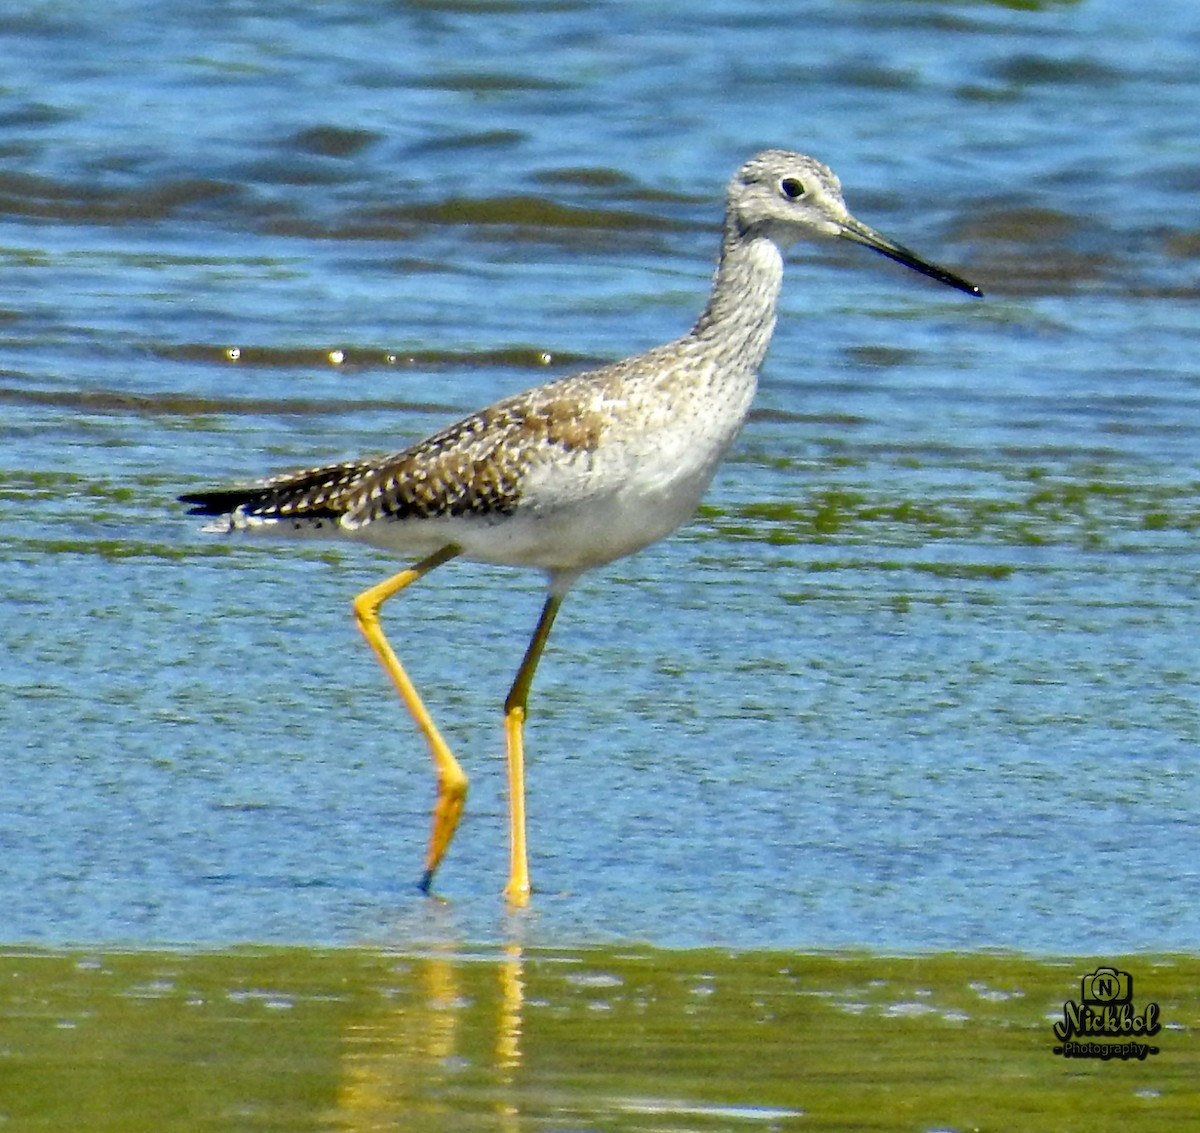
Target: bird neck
740 315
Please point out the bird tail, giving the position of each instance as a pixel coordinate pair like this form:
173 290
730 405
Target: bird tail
302 502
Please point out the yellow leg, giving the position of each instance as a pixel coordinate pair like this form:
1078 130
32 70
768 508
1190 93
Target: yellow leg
452 780
517 889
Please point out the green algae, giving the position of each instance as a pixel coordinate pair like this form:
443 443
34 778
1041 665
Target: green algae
621 1038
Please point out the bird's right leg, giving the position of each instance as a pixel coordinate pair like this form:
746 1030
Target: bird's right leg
452 780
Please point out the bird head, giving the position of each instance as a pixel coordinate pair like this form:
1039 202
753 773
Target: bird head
787 197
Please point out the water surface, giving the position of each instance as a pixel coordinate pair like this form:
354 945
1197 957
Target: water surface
922 674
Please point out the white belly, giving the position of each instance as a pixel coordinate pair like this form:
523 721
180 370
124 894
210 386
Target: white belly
581 512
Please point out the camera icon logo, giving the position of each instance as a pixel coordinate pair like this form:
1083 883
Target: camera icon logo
1107 986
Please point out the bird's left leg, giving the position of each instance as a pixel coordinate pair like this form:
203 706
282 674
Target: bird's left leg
517 889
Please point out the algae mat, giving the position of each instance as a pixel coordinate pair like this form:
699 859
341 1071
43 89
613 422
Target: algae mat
605 1039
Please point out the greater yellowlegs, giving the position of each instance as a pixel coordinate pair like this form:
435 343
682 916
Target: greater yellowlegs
571 474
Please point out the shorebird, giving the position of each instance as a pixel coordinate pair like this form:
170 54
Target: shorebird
571 474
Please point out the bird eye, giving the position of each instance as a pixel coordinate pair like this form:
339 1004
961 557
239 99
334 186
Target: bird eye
792 188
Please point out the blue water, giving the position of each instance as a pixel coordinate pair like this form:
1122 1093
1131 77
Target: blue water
922 675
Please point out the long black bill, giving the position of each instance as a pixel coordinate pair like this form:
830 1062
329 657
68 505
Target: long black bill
869 238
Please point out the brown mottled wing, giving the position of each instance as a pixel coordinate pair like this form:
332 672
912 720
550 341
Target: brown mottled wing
477 465
473 467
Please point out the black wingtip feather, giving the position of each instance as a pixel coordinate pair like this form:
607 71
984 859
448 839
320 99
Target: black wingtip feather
212 503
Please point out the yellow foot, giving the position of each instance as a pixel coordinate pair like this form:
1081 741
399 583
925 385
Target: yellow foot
452 796
516 893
